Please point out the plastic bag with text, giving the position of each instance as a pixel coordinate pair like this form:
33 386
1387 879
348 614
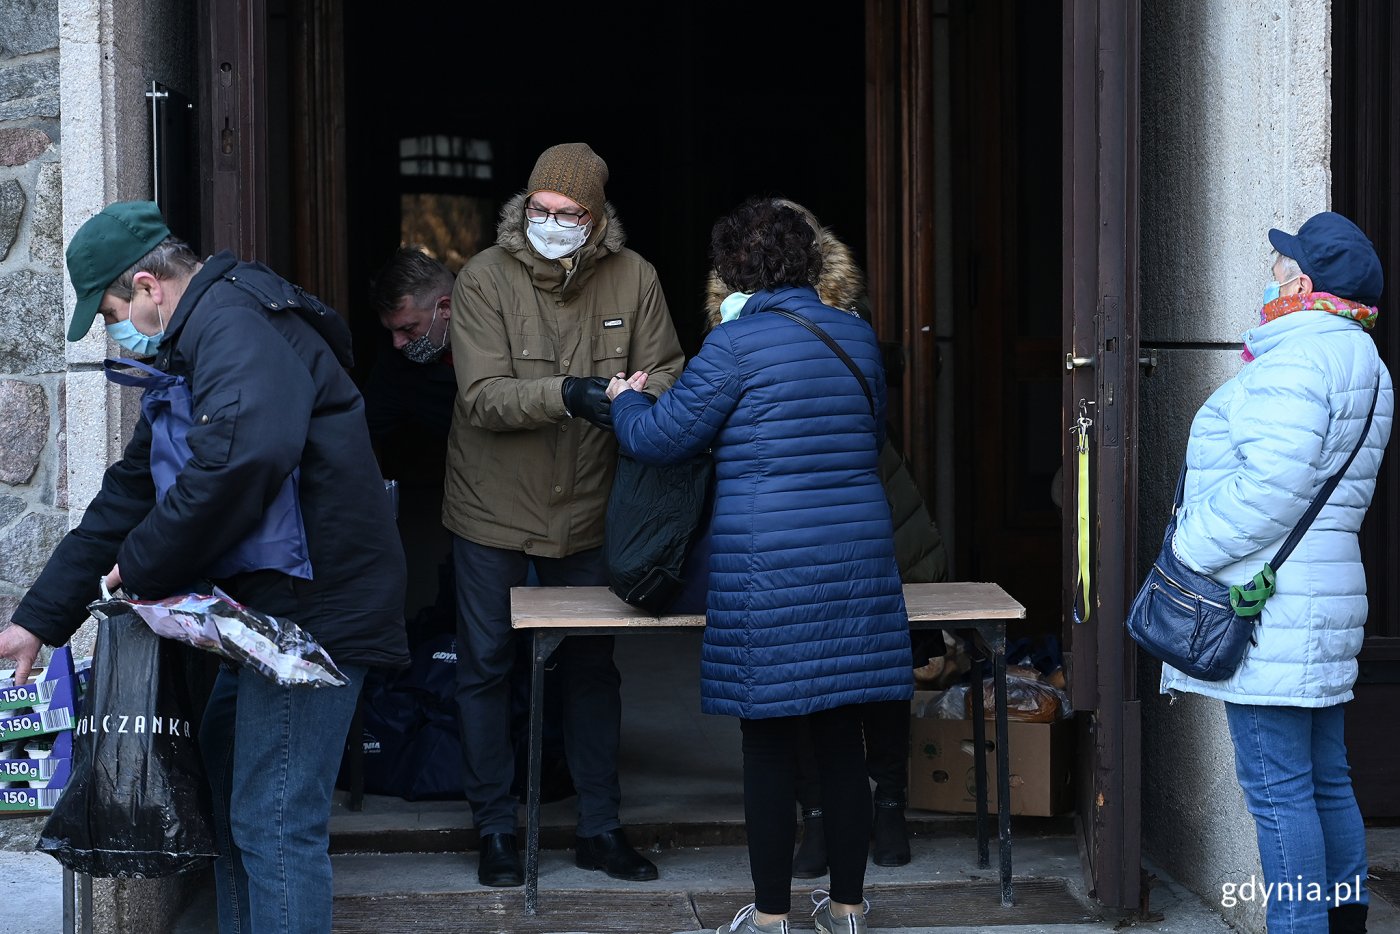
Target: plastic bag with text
275 648
137 803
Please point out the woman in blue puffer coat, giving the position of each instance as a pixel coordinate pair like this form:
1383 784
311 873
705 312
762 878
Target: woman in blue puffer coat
1261 447
806 615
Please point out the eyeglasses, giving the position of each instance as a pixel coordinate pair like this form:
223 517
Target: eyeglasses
536 215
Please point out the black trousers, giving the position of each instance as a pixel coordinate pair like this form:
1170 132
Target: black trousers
886 728
485 655
770 791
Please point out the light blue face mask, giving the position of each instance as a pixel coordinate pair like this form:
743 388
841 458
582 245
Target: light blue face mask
729 308
126 334
1271 291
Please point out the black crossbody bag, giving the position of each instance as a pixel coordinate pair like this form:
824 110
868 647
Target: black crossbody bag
1198 626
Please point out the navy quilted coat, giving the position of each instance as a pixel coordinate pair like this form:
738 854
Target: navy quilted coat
805 610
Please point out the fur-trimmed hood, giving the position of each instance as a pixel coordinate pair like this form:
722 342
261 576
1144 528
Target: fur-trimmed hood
840 285
510 230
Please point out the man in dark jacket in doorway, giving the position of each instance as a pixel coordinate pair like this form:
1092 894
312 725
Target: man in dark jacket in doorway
539 323
272 405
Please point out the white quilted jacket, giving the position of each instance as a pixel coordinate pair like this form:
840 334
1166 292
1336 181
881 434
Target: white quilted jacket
1261 447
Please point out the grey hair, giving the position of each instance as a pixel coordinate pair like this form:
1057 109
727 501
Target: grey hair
1291 269
170 259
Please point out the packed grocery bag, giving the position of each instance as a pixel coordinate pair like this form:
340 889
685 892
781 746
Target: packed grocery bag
275 648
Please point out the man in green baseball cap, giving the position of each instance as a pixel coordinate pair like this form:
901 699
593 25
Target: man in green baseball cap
249 470
104 248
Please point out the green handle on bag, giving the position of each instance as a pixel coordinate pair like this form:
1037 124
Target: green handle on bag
1249 600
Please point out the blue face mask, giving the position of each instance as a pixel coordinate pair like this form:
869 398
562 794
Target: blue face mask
126 334
1271 291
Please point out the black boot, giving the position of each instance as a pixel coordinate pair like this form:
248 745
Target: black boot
891 847
500 863
1347 919
809 862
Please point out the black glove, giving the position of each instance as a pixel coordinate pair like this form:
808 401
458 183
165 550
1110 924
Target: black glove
587 397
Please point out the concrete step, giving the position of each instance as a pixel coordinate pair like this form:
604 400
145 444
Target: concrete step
400 890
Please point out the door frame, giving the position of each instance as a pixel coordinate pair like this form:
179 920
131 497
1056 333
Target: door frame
1100 216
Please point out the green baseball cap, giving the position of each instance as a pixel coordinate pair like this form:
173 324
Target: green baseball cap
106 246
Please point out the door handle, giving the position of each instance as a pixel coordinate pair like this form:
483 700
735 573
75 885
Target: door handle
1073 363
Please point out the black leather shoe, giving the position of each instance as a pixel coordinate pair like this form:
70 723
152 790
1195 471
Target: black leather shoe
1347 919
500 863
612 853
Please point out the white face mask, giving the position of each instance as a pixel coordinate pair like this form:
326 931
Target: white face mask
552 241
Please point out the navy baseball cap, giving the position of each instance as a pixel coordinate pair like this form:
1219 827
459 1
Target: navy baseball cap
1336 255
106 246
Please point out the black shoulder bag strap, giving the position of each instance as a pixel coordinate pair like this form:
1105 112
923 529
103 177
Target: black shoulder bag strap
835 348
1249 599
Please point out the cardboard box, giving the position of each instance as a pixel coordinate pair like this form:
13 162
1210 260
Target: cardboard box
38 796
942 774
39 691
57 715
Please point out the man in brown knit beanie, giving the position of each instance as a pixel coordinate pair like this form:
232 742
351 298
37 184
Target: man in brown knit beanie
540 322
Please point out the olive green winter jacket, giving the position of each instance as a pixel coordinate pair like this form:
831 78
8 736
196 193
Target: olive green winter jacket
521 474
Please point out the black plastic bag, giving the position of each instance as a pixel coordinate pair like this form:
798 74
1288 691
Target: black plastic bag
655 517
138 802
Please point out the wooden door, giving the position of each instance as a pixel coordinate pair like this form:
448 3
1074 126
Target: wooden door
273 184
1100 191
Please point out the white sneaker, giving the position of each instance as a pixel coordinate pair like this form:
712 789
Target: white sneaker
827 923
746 922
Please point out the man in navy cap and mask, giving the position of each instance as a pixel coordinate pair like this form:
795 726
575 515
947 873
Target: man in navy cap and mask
274 497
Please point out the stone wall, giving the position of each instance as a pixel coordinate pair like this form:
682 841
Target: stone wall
1236 116
33 487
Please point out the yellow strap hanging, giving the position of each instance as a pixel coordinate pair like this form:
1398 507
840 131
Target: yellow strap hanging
1082 496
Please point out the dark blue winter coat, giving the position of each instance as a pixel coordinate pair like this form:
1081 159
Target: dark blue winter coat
805 609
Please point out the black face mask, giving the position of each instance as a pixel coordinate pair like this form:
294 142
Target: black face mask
421 349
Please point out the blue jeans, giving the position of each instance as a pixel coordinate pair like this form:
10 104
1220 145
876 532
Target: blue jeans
272 754
1292 764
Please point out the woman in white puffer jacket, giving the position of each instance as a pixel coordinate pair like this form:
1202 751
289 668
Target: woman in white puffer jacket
1260 449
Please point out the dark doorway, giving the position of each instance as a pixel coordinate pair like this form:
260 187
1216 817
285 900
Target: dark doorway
447 108
693 113
1366 188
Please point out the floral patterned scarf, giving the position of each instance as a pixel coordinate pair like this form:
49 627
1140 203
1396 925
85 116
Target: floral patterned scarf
1362 314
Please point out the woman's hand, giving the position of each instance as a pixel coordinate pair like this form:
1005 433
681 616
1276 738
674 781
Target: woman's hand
618 386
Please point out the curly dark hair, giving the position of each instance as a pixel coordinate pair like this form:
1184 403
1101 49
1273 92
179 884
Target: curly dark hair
764 245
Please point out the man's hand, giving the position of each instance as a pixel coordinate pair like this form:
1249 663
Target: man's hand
22 647
113 579
587 397
619 384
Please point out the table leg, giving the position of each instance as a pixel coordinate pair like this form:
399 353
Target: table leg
70 918
85 901
356 754
979 755
544 645
1003 768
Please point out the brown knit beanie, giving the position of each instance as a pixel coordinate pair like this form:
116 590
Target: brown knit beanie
573 170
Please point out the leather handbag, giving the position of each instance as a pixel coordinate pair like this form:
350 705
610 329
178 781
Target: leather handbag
1197 625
